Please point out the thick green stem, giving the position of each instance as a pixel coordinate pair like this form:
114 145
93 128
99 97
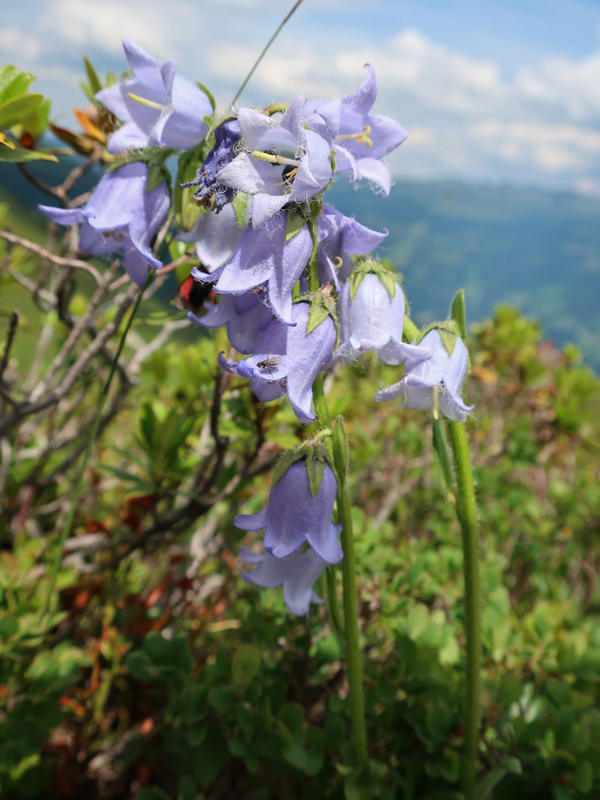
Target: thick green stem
333 606
86 456
467 515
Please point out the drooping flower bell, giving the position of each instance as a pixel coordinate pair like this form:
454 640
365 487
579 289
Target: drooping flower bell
210 193
158 107
287 360
263 258
435 383
246 317
215 236
300 507
120 215
360 139
282 162
371 315
296 573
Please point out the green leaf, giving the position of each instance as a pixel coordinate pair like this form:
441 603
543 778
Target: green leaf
208 93
485 786
186 788
582 777
340 448
18 108
560 693
314 762
295 223
318 314
92 76
8 627
17 86
245 665
315 470
292 716
8 73
458 313
19 155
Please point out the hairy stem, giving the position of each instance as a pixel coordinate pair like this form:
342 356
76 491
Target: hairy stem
264 51
86 456
467 515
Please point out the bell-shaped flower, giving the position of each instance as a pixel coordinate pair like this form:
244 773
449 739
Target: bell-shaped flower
215 235
210 193
282 162
245 315
434 383
263 258
287 359
338 237
294 516
158 107
360 139
371 317
120 215
296 573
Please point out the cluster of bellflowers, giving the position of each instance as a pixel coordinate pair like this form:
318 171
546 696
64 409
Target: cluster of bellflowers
260 224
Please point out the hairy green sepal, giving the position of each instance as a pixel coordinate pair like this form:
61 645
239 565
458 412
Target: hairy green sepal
316 457
386 273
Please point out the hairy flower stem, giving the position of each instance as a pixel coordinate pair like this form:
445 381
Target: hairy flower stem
86 456
467 515
264 51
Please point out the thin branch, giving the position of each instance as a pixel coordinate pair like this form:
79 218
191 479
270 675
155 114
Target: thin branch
10 335
30 286
71 263
43 187
156 343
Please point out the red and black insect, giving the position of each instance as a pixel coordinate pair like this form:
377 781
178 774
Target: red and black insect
191 295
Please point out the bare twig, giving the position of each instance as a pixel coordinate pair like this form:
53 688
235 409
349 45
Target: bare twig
71 263
156 343
12 329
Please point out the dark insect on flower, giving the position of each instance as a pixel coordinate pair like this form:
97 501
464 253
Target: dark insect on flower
191 295
269 363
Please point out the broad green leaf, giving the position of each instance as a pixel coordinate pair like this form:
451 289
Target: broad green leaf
582 777
15 110
17 86
245 665
8 73
18 155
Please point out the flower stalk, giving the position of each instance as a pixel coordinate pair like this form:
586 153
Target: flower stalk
467 515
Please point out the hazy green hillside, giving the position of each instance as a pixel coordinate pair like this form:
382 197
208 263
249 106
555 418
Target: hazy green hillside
537 250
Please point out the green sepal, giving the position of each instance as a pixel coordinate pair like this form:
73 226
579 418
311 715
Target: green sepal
315 207
208 93
411 332
448 338
18 155
295 223
315 469
276 108
448 331
389 283
384 270
92 76
217 121
240 206
318 314
356 279
157 173
284 462
458 313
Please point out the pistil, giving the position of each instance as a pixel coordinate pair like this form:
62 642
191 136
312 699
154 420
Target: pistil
145 102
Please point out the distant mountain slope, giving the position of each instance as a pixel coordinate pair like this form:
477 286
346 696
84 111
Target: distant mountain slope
535 249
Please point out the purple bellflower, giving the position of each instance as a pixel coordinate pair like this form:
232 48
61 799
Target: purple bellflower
263 258
227 136
359 139
120 215
158 107
282 162
215 235
287 360
338 237
245 315
437 381
293 516
374 320
296 573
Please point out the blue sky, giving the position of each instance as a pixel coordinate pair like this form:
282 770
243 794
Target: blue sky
490 90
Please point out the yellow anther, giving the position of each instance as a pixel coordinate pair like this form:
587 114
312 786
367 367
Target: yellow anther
288 178
359 138
145 102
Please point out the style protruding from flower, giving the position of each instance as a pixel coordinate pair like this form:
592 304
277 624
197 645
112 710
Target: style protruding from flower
158 107
371 314
360 139
434 383
287 359
281 163
296 573
263 258
120 215
210 193
295 514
